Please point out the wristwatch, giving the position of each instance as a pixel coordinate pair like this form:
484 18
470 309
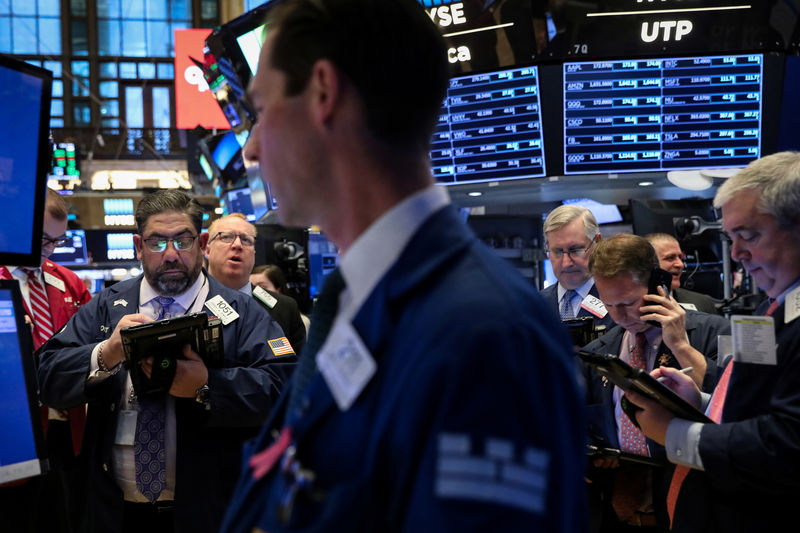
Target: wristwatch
203 396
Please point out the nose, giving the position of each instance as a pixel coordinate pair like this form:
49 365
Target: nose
237 242
170 253
250 150
737 250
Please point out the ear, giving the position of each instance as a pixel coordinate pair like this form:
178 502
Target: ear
137 243
202 240
325 91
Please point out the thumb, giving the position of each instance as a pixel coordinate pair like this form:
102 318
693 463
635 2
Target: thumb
188 353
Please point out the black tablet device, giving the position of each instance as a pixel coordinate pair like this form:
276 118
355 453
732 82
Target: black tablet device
628 378
164 341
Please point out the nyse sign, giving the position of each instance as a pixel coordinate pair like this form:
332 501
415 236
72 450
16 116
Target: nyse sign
450 17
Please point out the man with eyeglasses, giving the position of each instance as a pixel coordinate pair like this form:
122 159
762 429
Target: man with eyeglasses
571 233
51 294
231 255
166 462
670 257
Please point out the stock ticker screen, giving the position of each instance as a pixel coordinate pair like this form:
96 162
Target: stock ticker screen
662 114
490 128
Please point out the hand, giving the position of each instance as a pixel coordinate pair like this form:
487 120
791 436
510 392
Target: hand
113 352
668 312
672 317
679 383
605 462
190 375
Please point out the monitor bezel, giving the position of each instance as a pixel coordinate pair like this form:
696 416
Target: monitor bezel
44 158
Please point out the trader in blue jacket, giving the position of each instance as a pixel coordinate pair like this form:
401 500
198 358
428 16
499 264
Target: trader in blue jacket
435 391
177 475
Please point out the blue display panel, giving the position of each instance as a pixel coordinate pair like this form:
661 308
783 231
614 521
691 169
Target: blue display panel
239 201
19 456
490 128
72 252
662 114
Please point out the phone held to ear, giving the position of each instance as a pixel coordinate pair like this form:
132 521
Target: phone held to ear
658 278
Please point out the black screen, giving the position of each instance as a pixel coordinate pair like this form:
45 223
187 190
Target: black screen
72 252
24 159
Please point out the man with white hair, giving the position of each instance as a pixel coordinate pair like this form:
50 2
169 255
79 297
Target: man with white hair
742 473
571 233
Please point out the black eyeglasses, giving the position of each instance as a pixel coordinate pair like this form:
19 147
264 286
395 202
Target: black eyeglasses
159 244
228 237
57 241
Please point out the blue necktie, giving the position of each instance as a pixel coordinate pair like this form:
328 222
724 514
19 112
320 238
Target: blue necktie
321 322
566 304
148 449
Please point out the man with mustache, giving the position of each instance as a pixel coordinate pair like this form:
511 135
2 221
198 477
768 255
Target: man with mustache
164 462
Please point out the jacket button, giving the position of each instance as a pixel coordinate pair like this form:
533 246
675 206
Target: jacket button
113 406
105 467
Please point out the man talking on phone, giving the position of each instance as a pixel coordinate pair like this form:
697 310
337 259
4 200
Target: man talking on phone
651 330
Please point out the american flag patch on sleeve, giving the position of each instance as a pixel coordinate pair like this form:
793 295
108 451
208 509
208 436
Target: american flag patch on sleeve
280 346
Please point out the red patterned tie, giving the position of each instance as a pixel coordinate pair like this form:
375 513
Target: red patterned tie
630 481
715 414
40 309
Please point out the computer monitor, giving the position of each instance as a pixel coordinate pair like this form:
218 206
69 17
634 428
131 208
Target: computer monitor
663 113
24 159
238 201
72 252
106 246
490 128
323 257
21 447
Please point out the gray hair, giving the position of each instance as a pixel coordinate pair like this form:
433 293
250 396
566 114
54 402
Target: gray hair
777 178
565 214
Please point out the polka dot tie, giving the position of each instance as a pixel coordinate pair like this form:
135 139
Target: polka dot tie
566 304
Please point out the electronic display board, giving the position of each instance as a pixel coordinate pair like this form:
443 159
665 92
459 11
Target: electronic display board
490 128
662 114
73 251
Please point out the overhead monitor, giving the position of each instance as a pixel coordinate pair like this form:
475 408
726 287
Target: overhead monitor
238 201
65 162
323 256
25 159
73 251
490 128
21 448
635 115
106 246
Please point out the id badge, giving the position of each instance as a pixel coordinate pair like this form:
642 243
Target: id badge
126 427
346 364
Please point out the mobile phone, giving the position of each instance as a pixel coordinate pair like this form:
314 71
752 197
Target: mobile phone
658 278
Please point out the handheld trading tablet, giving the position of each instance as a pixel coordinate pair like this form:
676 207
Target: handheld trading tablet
164 341
628 378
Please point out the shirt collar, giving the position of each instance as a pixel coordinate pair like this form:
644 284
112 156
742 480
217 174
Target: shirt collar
782 296
147 293
583 290
376 249
247 288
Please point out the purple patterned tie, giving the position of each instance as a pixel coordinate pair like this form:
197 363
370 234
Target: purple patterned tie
148 448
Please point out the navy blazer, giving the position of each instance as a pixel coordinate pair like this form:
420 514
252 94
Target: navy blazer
751 460
475 387
208 442
550 295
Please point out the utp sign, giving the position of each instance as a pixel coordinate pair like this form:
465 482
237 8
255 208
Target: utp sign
194 104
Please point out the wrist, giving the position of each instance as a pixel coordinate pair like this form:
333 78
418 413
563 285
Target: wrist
102 364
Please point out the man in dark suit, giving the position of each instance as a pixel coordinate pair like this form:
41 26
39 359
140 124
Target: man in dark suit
622 266
164 462
434 392
571 233
670 257
742 473
231 255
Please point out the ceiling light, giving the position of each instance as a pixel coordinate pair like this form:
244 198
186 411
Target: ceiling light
645 183
474 193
